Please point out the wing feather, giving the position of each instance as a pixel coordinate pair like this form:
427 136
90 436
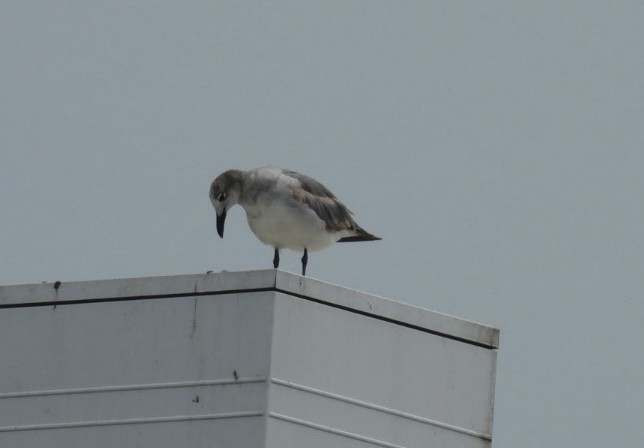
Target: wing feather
326 205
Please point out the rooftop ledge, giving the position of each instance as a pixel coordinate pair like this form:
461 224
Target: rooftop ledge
217 283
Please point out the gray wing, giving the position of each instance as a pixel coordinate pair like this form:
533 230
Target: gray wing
324 203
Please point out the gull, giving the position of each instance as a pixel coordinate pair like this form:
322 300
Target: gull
285 210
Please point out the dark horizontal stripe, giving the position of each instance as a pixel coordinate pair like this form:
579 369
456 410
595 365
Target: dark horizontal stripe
54 303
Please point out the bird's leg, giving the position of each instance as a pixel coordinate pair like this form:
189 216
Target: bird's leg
305 258
276 259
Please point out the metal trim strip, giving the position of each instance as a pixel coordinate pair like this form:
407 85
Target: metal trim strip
134 421
126 387
439 424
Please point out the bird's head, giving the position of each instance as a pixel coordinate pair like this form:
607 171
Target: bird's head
224 193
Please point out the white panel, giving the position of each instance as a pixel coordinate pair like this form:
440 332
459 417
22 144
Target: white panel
283 433
135 342
246 359
126 371
390 366
126 404
240 432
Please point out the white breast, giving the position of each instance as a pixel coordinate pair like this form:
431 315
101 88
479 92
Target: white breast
288 226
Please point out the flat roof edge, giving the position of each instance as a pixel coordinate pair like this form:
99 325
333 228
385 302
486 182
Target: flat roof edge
388 309
52 293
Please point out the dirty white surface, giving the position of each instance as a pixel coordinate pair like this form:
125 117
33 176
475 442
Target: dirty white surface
253 359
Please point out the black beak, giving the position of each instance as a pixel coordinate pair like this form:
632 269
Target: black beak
220 223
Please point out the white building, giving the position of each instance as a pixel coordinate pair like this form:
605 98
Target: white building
237 359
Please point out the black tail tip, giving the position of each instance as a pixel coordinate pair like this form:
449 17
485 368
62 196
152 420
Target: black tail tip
363 235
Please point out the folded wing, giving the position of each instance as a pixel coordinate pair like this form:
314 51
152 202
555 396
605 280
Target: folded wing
336 216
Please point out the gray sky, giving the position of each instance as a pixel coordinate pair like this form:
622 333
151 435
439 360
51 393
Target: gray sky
497 147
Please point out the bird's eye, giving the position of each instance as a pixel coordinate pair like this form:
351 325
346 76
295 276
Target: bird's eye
222 196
